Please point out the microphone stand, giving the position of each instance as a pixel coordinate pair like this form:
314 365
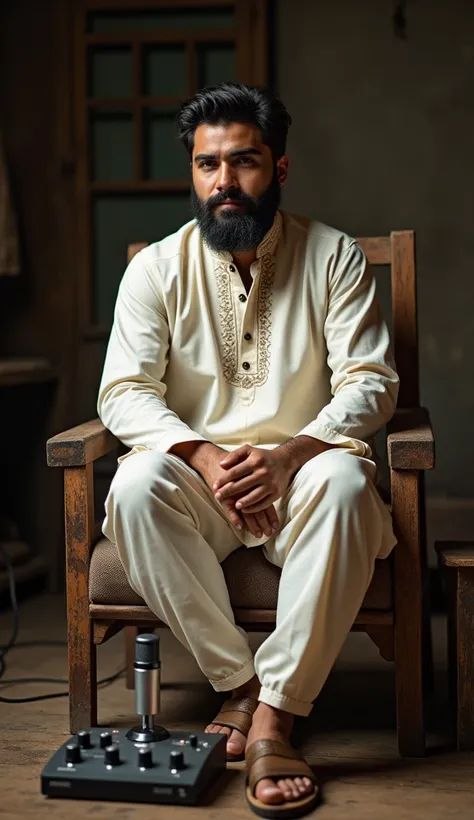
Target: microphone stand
147 667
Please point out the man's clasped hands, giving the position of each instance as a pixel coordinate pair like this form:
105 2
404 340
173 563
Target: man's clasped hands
248 481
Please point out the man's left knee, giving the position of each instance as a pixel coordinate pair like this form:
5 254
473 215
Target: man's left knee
340 475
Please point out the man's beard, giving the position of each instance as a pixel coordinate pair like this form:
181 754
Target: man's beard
233 230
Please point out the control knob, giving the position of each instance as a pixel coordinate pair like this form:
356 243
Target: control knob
84 739
176 760
73 753
112 755
145 759
105 740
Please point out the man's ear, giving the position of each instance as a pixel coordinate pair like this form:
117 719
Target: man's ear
282 169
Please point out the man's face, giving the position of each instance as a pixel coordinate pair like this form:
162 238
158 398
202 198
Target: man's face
236 185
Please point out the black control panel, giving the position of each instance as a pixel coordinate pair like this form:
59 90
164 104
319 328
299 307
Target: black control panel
104 764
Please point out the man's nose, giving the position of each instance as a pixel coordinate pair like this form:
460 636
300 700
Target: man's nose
226 178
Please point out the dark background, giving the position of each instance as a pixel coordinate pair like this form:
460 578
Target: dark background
382 140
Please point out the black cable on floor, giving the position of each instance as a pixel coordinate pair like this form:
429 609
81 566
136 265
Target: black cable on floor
13 644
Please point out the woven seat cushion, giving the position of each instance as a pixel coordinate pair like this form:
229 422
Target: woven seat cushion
251 579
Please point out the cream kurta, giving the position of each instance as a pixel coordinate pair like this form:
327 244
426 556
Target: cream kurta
191 356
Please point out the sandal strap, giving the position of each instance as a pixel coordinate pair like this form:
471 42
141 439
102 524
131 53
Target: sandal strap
237 713
274 760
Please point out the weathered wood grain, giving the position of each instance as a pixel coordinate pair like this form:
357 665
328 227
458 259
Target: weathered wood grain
377 249
455 553
102 631
79 527
410 440
80 445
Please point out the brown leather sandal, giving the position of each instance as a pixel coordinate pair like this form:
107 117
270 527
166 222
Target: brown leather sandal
275 760
237 713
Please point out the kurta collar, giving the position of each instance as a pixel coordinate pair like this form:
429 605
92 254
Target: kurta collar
268 245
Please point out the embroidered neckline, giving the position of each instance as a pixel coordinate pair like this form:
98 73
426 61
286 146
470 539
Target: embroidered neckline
228 324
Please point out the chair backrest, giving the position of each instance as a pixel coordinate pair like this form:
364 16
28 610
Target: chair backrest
397 251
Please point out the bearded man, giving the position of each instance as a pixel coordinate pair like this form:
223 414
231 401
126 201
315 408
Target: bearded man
247 370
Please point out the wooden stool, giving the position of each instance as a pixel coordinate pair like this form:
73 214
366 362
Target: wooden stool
457 559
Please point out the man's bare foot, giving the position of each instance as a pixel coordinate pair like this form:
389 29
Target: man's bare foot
237 741
273 724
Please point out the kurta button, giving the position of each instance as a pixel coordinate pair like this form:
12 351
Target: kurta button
242 297
231 268
247 337
246 366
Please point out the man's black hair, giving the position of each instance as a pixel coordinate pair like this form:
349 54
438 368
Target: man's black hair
235 102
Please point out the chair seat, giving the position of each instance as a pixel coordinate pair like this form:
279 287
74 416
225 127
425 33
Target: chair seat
251 579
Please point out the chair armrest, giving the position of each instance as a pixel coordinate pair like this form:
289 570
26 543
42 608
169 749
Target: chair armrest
410 440
80 445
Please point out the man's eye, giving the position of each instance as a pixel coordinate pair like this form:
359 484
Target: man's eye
246 160
207 163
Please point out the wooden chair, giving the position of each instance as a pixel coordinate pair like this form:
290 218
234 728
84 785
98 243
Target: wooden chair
100 602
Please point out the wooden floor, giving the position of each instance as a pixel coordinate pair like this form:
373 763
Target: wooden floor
349 738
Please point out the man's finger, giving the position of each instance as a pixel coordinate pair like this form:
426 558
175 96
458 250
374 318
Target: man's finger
264 522
237 487
259 523
253 498
233 515
273 519
233 458
235 473
252 524
258 506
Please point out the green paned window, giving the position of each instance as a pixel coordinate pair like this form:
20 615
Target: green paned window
215 63
110 72
165 71
111 141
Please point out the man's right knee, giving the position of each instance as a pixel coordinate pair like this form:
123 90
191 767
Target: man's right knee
140 476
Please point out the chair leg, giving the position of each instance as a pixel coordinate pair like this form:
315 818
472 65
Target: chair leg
408 626
82 677
409 695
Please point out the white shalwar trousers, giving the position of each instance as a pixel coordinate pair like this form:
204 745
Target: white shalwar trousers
172 537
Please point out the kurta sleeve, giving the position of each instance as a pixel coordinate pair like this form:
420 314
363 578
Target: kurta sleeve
131 401
364 382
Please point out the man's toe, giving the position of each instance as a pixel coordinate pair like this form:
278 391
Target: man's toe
268 792
236 743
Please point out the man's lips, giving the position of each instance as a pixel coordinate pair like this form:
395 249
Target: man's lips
230 203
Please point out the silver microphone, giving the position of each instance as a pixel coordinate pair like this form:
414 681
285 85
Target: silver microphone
147 675
147 669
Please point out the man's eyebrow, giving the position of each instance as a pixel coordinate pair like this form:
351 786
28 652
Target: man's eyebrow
243 151
198 157
239 153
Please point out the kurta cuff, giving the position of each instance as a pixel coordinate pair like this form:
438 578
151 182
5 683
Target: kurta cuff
165 443
330 436
168 440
